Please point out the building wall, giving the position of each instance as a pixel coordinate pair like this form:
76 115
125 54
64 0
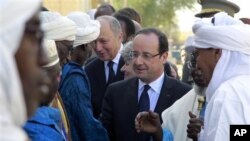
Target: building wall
66 6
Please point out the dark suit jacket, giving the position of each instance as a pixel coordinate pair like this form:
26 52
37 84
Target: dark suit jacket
120 106
96 74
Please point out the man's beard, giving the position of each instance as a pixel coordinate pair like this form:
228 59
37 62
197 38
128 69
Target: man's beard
199 90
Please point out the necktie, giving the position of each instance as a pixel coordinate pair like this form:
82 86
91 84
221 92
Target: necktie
111 72
144 102
144 105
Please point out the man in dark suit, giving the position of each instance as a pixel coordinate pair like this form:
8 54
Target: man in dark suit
105 68
150 90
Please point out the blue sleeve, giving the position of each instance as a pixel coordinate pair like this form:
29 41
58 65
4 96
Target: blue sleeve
167 135
77 101
40 132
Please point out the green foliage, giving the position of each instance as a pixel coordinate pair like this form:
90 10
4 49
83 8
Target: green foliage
158 13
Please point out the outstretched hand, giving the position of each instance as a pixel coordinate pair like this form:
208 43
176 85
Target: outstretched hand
148 122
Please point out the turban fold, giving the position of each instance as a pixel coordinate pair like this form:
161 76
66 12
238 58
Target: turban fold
57 27
223 32
87 29
51 51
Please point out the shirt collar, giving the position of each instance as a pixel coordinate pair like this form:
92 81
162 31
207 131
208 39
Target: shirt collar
155 85
117 57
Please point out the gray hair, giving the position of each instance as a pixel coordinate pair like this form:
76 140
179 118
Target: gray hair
113 23
128 47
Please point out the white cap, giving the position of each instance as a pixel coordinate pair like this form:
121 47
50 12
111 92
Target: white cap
87 29
51 52
57 27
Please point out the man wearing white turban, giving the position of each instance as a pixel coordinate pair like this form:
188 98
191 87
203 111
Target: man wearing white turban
74 86
46 123
62 30
20 38
226 73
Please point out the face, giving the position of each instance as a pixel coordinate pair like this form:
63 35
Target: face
54 76
63 48
29 58
127 68
206 60
147 62
107 44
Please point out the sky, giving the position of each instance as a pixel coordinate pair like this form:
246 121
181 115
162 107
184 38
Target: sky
186 17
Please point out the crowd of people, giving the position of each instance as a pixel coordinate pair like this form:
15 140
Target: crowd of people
105 77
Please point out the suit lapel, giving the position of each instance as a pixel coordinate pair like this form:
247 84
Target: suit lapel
165 96
120 75
101 73
133 96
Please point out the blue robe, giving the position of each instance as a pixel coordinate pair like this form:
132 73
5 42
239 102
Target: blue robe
75 92
45 125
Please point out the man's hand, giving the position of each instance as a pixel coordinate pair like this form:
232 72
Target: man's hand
194 127
149 122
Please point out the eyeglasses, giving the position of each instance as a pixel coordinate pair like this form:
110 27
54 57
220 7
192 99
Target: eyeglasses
145 55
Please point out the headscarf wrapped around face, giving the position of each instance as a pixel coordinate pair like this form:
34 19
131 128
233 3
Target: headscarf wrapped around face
57 27
87 29
230 35
13 17
12 106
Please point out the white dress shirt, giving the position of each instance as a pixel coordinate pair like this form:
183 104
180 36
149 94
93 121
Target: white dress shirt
153 92
115 65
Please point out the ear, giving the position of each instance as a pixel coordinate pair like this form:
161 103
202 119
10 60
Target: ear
164 57
218 53
120 35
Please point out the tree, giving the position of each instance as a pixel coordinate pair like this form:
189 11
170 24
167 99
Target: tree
158 13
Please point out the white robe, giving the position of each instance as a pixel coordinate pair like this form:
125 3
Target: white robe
176 117
230 104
